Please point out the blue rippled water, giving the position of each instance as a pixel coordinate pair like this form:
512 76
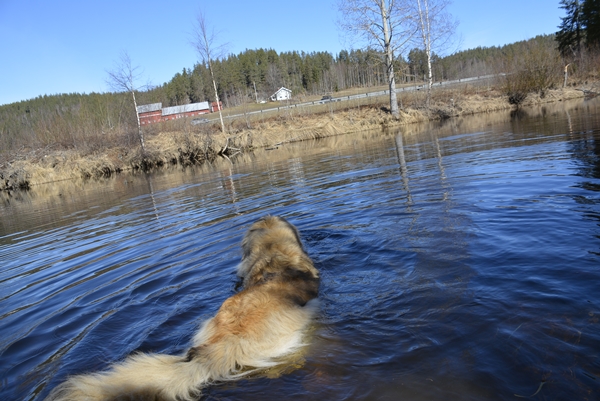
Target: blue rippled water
460 260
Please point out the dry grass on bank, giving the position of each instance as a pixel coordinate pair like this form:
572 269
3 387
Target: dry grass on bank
178 142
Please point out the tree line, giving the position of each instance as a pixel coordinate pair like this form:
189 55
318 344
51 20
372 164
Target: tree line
254 75
86 120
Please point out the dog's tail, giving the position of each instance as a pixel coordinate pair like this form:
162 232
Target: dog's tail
141 376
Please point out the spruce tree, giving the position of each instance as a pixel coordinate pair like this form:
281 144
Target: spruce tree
570 35
591 21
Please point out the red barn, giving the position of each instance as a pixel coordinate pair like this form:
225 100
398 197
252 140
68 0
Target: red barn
154 113
150 113
186 110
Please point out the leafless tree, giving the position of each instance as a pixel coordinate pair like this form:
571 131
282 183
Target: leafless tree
124 77
204 40
437 29
386 25
274 77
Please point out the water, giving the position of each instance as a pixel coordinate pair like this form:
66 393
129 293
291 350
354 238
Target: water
459 261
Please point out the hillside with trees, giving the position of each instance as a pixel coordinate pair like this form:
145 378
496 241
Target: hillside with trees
84 120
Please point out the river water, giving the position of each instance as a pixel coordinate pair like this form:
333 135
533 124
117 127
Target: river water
460 260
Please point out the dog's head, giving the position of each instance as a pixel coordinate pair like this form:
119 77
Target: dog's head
266 230
267 236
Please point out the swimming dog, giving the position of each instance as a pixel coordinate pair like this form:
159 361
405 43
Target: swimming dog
252 329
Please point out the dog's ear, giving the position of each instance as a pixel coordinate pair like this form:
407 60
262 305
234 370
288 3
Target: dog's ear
249 239
294 230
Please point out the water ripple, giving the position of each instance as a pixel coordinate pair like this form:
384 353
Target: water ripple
456 263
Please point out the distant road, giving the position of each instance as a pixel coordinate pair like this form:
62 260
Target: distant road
365 95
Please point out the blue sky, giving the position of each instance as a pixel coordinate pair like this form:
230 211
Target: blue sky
64 46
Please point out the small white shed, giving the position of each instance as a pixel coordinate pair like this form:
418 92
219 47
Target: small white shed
281 94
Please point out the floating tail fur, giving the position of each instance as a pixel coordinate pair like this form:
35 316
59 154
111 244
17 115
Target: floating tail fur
140 377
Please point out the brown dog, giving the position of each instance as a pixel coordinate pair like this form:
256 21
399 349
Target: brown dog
251 330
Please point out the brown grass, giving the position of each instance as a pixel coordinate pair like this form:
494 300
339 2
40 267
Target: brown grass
178 142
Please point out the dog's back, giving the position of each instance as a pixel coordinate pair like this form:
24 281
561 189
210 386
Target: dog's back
266 319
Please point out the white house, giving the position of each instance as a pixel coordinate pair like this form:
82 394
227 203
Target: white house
281 94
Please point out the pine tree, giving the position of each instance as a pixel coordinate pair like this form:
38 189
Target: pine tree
591 20
570 35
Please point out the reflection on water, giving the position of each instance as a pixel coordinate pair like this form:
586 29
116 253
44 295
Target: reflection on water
459 260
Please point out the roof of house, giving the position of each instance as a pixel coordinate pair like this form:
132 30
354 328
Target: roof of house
186 108
146 108
282 89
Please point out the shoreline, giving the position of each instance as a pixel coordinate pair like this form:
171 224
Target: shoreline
183 147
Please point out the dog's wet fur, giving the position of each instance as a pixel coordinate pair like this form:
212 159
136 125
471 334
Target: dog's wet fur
252 330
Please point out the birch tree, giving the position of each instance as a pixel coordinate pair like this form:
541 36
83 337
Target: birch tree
124 77
437 28
384 24
204 41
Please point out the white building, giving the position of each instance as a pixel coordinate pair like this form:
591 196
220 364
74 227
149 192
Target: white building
281 94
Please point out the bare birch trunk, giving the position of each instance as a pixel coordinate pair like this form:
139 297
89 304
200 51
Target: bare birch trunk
202 40
124 78
426 35
389 59
137 116
217 97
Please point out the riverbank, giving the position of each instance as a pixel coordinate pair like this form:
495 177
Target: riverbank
185 144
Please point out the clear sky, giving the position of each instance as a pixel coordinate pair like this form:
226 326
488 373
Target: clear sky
65 46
